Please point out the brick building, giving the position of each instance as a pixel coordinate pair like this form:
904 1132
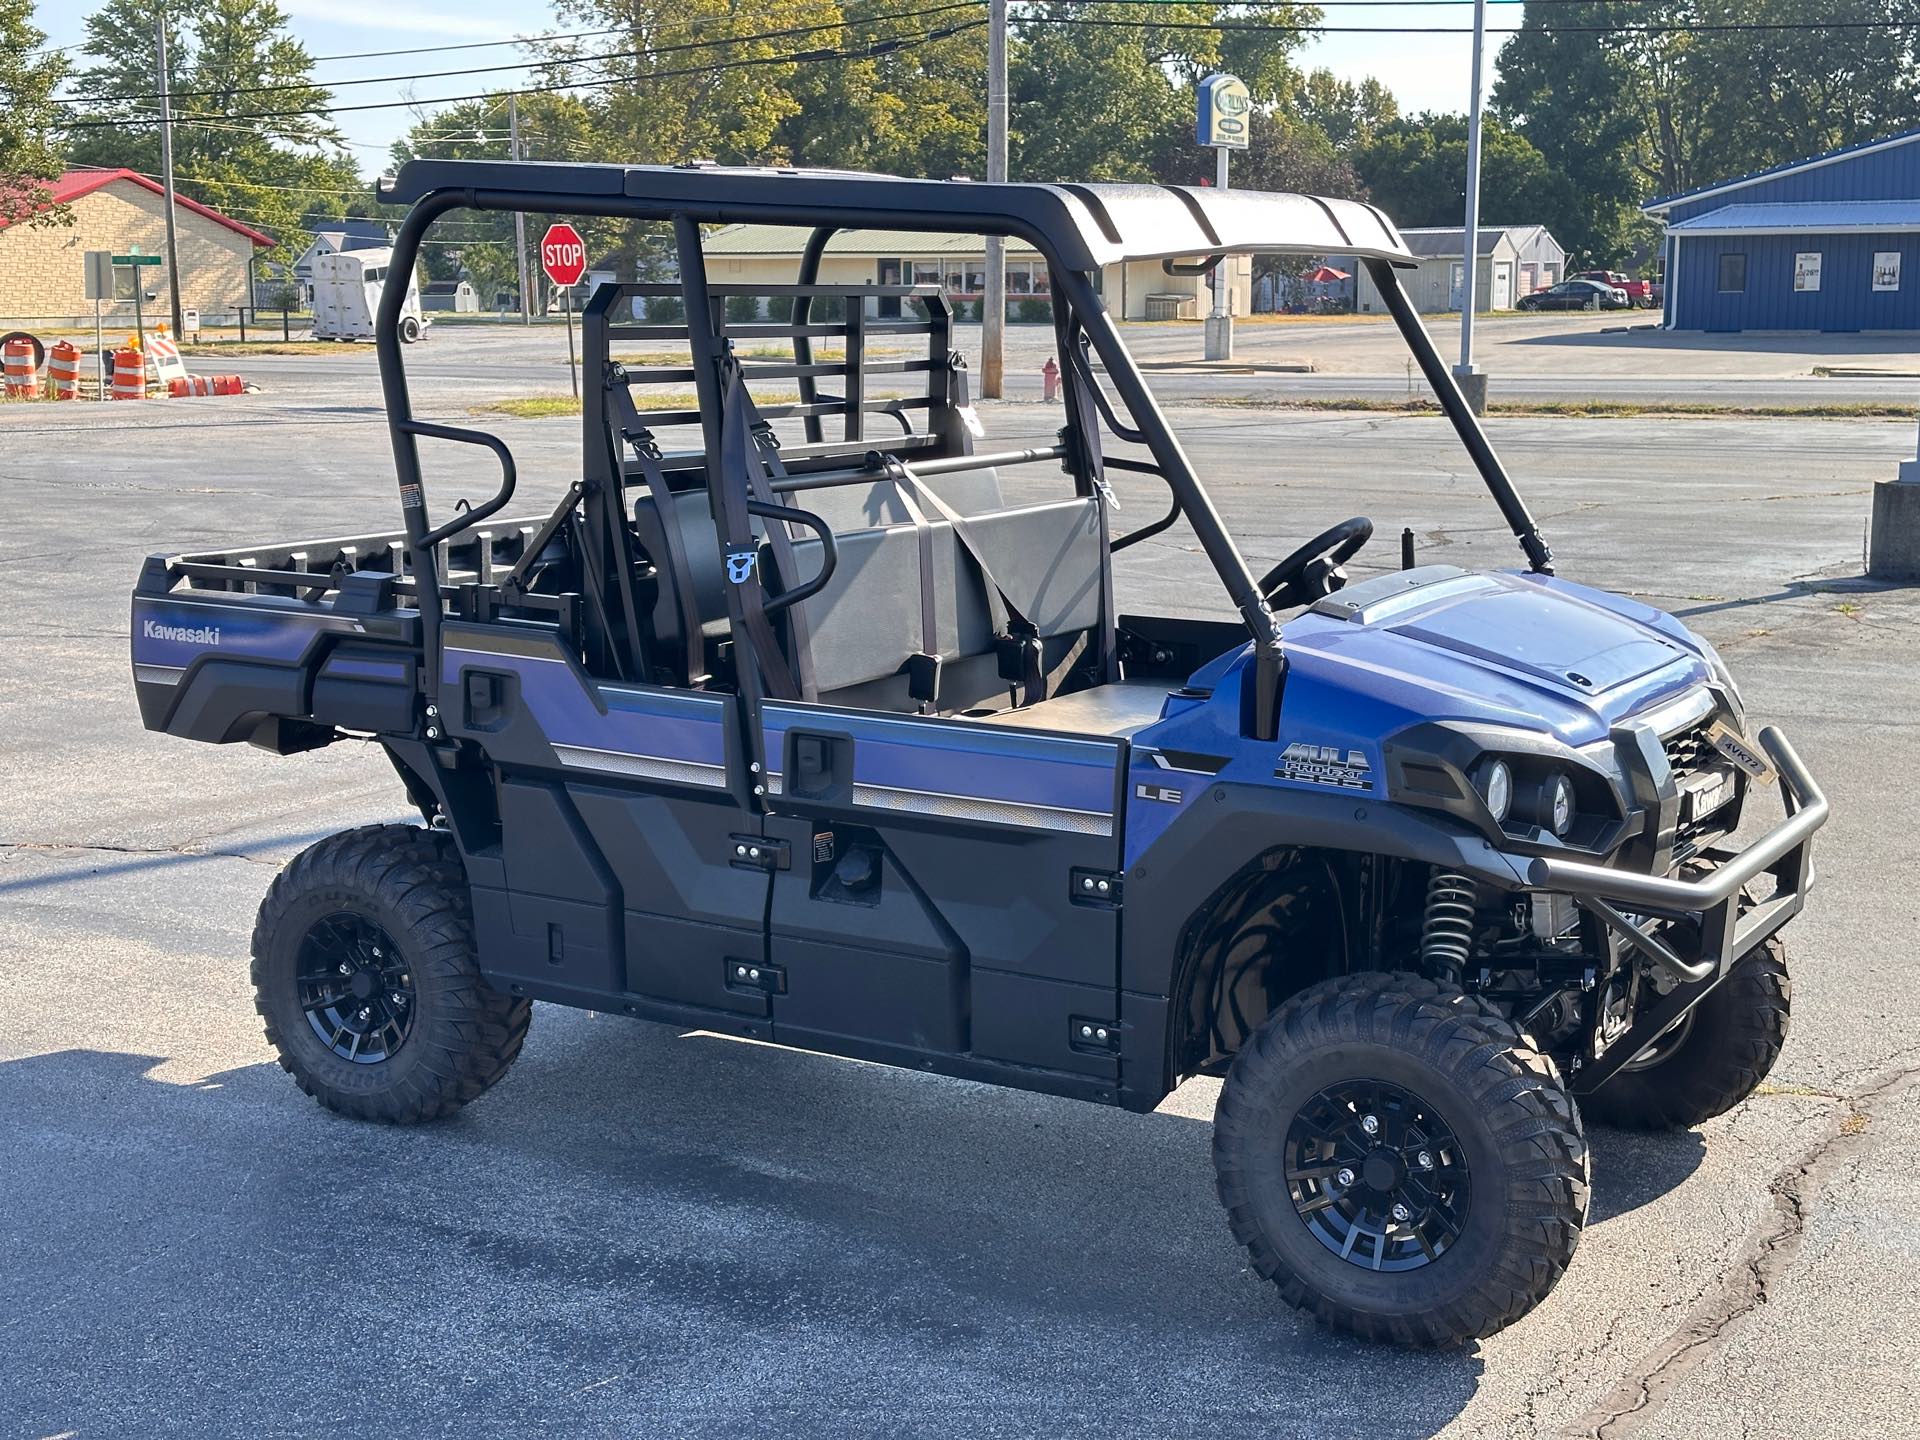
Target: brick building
42 275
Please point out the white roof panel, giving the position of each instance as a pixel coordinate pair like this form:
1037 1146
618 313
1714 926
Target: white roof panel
1805 218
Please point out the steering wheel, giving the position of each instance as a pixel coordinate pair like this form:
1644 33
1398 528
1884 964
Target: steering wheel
1314 570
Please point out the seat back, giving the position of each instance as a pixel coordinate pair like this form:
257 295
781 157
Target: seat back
866 624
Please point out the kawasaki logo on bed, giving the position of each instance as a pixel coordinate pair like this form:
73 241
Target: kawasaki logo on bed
182 634
1325 765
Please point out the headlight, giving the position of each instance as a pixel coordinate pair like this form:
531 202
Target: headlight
1559 806
1496 788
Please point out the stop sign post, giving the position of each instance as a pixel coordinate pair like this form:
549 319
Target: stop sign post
563 255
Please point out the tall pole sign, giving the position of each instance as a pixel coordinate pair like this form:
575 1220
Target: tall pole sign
563 255
1225 108
1472 380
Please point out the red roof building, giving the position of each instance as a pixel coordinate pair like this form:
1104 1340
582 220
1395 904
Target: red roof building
42 269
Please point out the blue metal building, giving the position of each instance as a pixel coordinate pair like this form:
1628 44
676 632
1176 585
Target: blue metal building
1827 243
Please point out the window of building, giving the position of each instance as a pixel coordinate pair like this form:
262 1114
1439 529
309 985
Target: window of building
926 272
1733 274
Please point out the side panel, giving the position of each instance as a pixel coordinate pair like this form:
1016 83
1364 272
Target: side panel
942 890
622 806
209 668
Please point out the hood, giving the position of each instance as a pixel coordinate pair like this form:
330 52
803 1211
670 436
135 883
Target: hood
1528 651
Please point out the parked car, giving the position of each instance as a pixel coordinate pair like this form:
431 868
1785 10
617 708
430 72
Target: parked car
1575 295
1640 292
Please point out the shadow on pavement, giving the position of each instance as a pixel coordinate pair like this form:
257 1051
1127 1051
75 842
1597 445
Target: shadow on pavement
1631 1169
640 1229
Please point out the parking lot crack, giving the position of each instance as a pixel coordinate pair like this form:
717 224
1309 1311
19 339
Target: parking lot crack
1749 1283
185 851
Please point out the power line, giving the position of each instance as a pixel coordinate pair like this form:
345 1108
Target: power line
947 7
872 51
1676 28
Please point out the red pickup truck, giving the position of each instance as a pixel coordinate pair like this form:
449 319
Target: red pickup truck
1644 293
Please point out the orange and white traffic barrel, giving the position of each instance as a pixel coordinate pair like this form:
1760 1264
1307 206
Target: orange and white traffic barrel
129 375
20 358
190 385
63 369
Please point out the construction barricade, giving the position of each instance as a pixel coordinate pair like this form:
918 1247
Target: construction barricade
63 370
21 360
164 356
129 375
190 385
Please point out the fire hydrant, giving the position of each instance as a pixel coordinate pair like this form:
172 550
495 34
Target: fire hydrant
1049 379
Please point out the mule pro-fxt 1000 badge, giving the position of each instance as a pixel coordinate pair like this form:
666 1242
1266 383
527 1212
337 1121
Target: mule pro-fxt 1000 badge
1325 765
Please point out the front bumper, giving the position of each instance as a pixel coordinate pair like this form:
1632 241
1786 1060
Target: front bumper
1727 927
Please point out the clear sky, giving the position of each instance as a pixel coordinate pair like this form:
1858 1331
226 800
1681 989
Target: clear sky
1426 72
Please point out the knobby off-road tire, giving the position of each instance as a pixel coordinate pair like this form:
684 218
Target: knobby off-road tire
379 919
1729 1044
1490 1137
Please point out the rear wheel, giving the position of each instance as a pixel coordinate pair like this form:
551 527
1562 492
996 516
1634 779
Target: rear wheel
364 971
409 329
1399 1161
1714 1058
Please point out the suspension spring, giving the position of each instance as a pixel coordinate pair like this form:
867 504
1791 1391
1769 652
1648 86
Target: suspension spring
1446 933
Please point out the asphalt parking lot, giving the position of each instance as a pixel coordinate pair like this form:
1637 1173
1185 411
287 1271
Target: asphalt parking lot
643 1232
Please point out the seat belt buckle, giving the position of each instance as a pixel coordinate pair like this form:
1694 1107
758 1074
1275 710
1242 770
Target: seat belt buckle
923 678
1107 497
763 435
1019 656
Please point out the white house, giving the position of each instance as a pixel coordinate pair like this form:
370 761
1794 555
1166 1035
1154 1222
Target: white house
1513 260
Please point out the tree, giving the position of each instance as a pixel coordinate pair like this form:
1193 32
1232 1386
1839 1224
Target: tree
919 110
246 138
552 127
1098 95
1415 170
1283 154
1668 102
29 158
1346 112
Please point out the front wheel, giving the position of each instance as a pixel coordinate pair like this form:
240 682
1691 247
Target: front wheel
409 330
1714 1058
364 972
1399 1161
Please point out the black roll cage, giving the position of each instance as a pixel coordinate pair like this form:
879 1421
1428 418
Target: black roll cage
688 196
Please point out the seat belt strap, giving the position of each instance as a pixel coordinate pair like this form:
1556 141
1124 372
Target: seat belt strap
923 670
740 548
646 454
779 535
1017 637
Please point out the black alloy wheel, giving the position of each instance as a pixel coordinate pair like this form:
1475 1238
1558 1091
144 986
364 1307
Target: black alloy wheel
1377 1175
355 988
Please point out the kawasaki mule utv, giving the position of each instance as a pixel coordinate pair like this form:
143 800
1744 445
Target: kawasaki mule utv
785 722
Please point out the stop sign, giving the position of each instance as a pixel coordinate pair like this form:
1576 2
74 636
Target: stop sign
563 255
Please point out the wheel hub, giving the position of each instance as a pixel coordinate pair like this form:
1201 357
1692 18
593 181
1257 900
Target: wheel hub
355 988
1377 1176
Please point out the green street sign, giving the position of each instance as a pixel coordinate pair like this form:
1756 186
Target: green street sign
136 259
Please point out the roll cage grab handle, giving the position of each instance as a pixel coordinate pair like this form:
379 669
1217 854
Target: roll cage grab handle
1095 321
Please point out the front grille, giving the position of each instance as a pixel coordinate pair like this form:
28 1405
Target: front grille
1698 772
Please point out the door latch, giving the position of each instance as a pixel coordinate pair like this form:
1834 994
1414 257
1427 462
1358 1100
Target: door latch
756 852
1099 888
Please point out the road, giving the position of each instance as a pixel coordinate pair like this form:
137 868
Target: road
649 1232
1532 358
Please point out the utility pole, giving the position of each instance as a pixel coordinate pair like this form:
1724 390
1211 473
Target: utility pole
1472 380
993 306
519 220
166 170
